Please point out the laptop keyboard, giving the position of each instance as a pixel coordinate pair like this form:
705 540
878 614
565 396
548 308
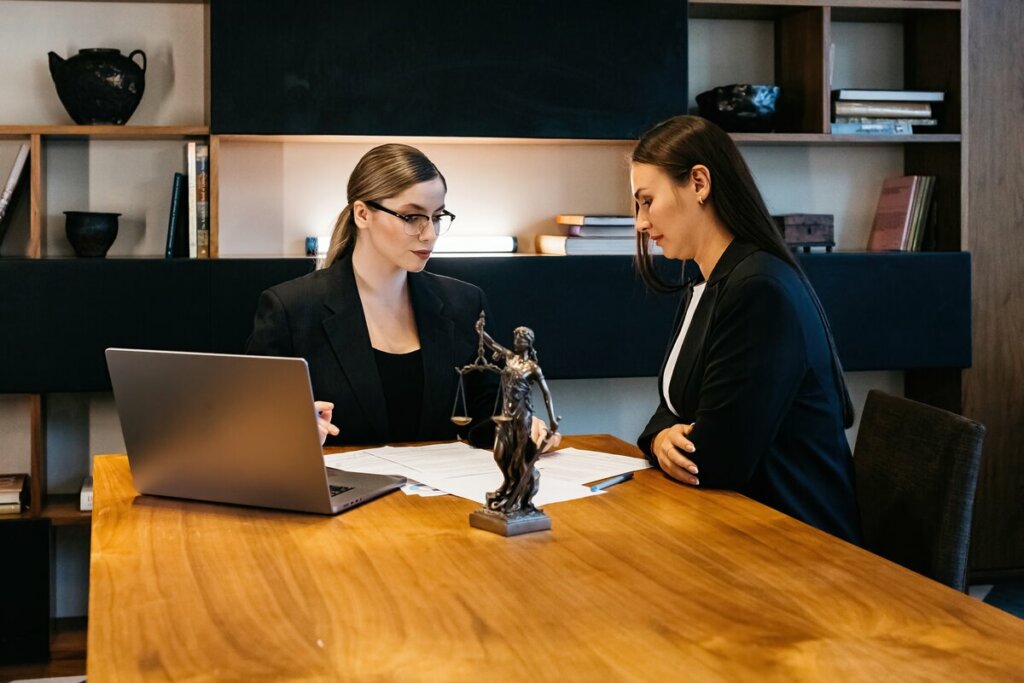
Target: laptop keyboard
338 490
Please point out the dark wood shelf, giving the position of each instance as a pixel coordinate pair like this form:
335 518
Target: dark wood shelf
105 132
744 138
68 639
828 140
842 10
62 510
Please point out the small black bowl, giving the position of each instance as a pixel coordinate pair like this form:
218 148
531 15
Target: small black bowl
90 232
740 108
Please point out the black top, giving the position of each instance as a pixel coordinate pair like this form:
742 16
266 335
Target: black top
319 317
401 375
755 376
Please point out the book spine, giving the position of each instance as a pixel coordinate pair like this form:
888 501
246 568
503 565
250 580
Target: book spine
203 200
890 95
921 211
915 213
551 244
916 110
889 230
880 120
600 230
577 219
174 217
193 226
12 180
872 129
85 495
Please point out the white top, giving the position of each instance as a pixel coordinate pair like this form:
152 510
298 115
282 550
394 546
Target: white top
670 366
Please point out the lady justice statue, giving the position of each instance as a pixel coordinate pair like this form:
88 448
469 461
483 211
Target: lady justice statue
509 510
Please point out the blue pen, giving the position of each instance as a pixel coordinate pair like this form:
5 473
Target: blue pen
612 482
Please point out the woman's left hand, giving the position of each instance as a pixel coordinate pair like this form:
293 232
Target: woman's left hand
539 431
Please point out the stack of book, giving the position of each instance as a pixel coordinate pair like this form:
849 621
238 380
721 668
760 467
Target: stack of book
590 234
903 214
13 493
884 112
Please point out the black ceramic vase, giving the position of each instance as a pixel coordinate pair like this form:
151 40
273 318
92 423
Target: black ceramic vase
740 108
90 232
99 85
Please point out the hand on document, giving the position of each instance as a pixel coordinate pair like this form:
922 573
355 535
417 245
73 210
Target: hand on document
324 413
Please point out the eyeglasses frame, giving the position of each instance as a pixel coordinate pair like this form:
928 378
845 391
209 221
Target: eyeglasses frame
411 217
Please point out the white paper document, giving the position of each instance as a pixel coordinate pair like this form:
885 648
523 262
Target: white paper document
581 467
471 473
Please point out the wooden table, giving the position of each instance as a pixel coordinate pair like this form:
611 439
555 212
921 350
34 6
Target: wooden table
651 581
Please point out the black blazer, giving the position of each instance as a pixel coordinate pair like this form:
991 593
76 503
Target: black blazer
319 317
755 376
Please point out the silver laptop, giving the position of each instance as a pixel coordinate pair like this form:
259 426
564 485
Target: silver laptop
229 429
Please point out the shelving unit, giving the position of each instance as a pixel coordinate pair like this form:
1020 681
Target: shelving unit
37 135
803 31
933 47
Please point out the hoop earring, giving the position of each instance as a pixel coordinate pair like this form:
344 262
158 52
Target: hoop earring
700 200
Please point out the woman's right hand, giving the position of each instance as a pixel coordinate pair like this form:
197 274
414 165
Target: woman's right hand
668 446
324 413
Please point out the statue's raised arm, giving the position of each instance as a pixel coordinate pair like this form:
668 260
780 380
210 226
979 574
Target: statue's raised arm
487 340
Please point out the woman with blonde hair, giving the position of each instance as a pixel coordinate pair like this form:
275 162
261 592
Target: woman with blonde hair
382 336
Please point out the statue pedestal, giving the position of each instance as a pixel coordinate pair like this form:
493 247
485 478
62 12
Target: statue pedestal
509 525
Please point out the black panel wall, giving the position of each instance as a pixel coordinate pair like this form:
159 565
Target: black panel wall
592 315
594 318
25 576
58 315
531 68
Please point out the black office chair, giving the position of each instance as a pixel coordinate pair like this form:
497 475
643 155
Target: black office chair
917 471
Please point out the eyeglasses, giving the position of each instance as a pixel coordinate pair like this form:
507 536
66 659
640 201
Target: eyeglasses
416 222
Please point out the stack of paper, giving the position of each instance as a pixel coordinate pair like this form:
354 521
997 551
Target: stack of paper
467 472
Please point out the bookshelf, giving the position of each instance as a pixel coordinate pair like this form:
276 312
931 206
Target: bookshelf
39 135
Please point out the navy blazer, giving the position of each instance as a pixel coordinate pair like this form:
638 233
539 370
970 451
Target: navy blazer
755 377
319 317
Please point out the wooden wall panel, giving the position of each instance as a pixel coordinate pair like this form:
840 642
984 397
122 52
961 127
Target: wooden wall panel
801 48
994 233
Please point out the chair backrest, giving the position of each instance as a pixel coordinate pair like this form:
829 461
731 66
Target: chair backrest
917 471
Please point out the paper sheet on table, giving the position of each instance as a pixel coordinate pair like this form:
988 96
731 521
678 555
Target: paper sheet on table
577 466
468 472
476 486
446 459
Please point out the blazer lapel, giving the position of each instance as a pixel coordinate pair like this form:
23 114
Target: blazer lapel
693 344
346 330
696 334
676 324
437 344
691 276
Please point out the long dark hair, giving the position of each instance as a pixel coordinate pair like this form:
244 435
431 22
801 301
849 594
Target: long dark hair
676 146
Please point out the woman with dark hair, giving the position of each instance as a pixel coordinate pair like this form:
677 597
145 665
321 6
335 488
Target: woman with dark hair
382 336
752 394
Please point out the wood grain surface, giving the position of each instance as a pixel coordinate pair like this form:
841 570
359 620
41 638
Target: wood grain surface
993 389
650 581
